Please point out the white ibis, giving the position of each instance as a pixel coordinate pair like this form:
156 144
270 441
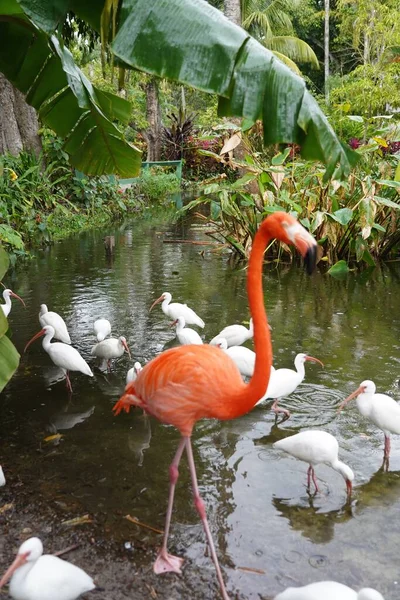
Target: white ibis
109 349
315 447
133 372
284 382
243 357
184 334
2 478
38 576
381 409
63 356
102 328
235 335
53 319
7 295
175 310
328 590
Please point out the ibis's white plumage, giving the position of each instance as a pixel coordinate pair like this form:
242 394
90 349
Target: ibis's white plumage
133 372
55 321
62 355
328 590
235 335
315 447
186 335
102 328
2 478
175 309
35 576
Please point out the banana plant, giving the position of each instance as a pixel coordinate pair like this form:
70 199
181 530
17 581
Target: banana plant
184 40
9 357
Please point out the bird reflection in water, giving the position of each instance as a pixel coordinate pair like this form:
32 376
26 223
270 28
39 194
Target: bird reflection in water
63 419
139 437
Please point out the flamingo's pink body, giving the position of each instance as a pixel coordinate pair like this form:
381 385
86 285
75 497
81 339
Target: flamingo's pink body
188 383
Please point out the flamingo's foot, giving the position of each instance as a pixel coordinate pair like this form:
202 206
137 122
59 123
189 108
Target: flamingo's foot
167 563
123 403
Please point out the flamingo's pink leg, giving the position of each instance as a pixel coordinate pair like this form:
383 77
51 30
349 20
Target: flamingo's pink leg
199 504
166 562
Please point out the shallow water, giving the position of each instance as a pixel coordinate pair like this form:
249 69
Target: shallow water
269 532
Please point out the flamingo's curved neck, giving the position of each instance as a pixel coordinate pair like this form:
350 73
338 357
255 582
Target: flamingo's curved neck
248 397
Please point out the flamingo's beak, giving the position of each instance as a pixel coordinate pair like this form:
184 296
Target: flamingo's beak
358 391
20 560
35 337
125 345
305 244
349 487
17 297
160 299
312 359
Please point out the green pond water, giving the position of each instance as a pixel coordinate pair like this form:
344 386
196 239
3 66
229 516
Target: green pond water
269 532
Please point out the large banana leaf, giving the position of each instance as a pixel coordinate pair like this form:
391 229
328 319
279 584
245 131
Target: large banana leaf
9 357
64 98
192 42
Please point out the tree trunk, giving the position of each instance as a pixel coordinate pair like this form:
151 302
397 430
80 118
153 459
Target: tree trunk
232 11
153 113
18 121
326 51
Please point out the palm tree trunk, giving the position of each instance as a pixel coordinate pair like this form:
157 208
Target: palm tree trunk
232 11
18 121
326 51
153 134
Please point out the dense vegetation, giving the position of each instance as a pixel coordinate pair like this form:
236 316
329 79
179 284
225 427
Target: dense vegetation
355 217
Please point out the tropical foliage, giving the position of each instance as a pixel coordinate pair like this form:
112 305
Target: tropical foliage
249 80
9 357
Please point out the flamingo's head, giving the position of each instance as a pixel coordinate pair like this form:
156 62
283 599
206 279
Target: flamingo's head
288 230
29 551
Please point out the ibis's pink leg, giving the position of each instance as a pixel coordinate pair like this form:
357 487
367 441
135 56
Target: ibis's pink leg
69 386
309 476
277 409
199 504
387 446
314 480
166 562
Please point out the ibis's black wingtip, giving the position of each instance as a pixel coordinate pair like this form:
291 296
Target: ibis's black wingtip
310 259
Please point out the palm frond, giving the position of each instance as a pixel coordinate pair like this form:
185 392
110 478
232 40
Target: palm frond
287 61
294 48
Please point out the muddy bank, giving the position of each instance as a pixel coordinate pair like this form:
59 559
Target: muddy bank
122 572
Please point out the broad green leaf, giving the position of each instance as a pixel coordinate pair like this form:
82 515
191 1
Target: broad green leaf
367 257
389 183
4 263
387 202
280 158
9 360
215 210
11 236
44 13
200 47
360 248
342 216
318 219
356 118
3 323
339 269
397 174
66 100
379 227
